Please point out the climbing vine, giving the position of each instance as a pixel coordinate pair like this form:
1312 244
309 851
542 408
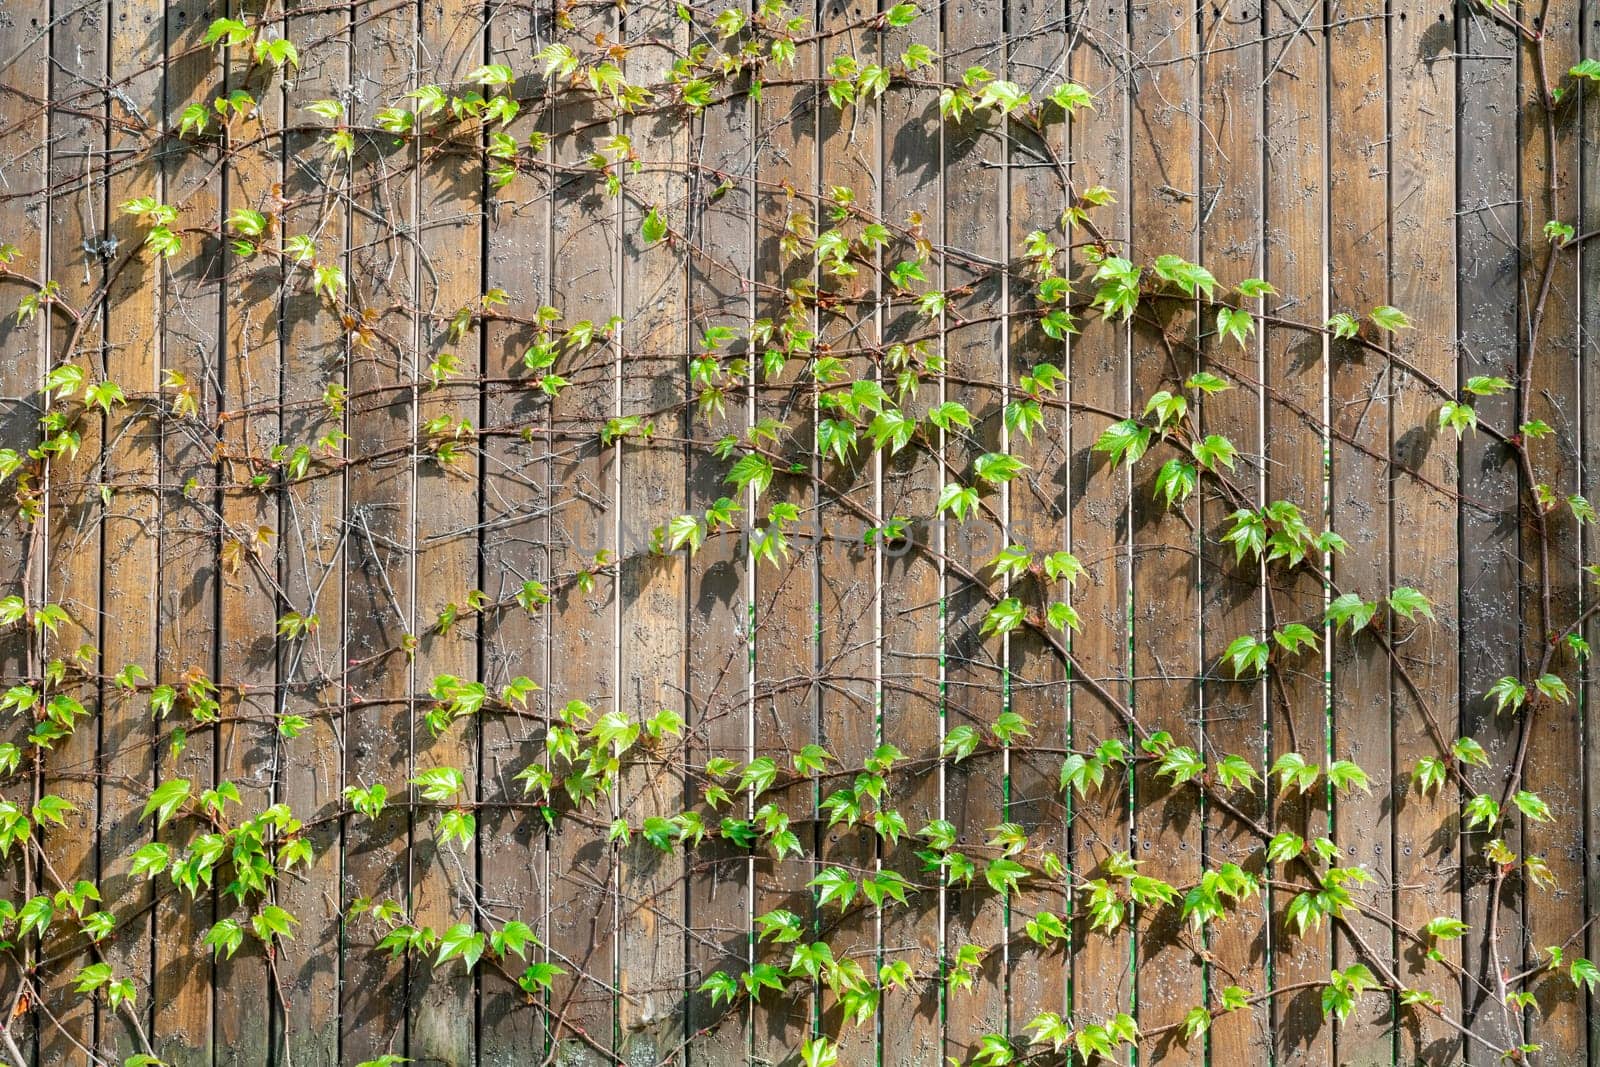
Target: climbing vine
577 109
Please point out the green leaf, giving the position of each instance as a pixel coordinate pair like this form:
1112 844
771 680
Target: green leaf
959 743
225 937
1409 602
1507 692
1553 688
1237 324
1345 776
462 942
1389 319
654 226
1429 775
1532 806
1175 481
1457 417
165 801
1247 654
834 886
1350 610
1124 441
439 784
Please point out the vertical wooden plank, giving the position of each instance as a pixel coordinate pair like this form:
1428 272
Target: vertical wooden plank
1102 980
25 168
133 355
784 620
1232 601
251 540
1587 220
378 578
717 641
1548 377
651 961
313 545
1423 203
1036 979
514 548
584 235
1487 229
1166 595
71 573
912 587
1359 385
189 577
446 484
847 603
977 688
1294 126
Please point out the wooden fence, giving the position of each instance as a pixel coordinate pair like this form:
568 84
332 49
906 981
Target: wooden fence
310 518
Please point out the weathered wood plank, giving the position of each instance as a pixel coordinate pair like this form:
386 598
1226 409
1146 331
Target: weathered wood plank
26 163
978 689
1102 822
1359 385
512 847
583 625
1232 601
313 548
72 575
447 486
784 617
1166 596
1549 371
1037 977
191 535
379 592
1296 95
133 355
1486 323
848 589
251 372
652 595
1423 203
912 193
721 235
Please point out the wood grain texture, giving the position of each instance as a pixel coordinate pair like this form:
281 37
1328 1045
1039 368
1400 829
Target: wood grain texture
513 851
313 546
379 590
586 287
1551 555
651 947
1422 201
978 686
27 163
1294 127
191 538
1102 819
1168 823
129 736
251 552
913 580
1487 226
1353 153
848 585
786 700
1036 979
1359 507
721 205
1231 229
73 537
